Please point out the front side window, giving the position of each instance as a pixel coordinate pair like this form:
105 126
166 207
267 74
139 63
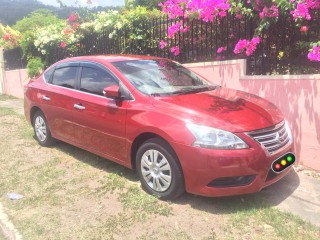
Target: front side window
65 77
162 77
94 80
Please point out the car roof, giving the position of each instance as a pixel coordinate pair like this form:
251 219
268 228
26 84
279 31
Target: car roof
109 58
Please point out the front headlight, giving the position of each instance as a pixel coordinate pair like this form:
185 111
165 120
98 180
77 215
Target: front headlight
208 137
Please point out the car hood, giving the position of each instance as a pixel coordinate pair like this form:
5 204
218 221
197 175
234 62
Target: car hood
222 108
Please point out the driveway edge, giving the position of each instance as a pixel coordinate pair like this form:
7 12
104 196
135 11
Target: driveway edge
8 229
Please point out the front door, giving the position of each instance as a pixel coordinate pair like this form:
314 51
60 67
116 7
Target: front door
99 122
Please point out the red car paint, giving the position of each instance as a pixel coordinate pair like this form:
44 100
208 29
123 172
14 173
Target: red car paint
109 128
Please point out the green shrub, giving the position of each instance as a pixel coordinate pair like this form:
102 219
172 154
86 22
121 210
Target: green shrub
34 67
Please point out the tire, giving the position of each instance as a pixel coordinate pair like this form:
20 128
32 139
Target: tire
41 130
158 169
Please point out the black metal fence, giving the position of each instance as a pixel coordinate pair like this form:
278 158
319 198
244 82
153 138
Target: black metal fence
281 50
199 43
284 48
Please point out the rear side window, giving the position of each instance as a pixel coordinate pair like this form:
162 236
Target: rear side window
65 77
47 74
94 80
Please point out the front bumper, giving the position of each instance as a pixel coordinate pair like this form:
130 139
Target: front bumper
202 166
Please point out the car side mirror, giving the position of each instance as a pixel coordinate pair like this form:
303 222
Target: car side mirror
112 92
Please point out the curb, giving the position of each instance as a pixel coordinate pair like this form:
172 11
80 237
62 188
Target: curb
8 229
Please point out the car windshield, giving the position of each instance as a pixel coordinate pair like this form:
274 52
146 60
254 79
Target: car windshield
162 77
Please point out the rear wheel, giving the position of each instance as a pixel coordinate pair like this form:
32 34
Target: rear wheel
41 129
158 169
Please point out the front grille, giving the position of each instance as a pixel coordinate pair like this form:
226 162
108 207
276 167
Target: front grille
273 138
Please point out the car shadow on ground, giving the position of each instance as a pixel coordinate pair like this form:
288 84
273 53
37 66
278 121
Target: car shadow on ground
270 196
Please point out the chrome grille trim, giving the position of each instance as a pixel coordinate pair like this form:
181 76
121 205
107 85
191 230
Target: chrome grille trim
274 138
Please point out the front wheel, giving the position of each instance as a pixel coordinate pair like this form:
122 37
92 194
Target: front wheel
158 169
41 129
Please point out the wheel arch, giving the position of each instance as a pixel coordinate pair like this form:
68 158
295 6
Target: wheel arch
143 137
33 111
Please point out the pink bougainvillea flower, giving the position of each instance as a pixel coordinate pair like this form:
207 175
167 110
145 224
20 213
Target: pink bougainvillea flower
248 46
242 44
163 44
184 29
221 49
304 29
173 29
314 55
175 51
301 11
75 26
271 12
255 40
73 17
207 10
63 45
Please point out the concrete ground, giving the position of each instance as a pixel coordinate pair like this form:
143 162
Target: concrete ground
298 192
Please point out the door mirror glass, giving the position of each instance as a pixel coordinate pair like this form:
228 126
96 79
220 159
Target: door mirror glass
112 92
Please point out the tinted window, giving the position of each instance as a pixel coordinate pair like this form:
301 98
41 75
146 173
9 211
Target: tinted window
65 77
48 74
95 80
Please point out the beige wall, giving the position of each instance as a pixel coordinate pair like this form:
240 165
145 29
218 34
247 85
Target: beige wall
1 71
14 82
297 96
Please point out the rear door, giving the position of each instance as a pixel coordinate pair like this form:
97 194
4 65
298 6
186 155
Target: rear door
57 100
99 122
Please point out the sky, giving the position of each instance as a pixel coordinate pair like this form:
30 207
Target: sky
84 2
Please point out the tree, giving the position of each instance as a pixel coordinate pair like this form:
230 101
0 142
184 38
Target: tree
149 4
36 20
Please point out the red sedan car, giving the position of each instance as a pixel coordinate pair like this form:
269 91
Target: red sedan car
178 130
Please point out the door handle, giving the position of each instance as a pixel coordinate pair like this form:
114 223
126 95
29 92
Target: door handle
46 98
79 106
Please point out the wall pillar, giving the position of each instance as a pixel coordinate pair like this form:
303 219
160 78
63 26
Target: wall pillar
2 76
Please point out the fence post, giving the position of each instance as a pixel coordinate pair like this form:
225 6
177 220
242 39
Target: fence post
2 89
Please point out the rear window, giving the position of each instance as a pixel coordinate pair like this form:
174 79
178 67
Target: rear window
65 77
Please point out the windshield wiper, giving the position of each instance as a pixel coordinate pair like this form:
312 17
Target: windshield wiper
185 91
196 90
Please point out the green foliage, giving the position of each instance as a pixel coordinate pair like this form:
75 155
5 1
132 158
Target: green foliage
34 67
149 4
13 10
131 21
35 20
1 30
8 37
1 35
